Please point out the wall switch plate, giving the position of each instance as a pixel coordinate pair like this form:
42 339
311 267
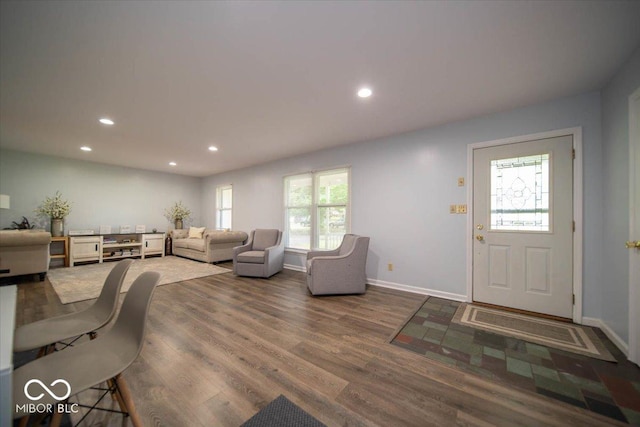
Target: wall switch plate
461 209
390 266
461 181
452 209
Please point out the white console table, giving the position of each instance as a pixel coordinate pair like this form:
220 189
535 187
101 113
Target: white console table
105 247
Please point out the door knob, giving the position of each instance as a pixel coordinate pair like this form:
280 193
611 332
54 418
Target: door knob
480 238
633 244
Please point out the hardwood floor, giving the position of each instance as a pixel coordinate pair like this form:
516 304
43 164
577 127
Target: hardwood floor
220 348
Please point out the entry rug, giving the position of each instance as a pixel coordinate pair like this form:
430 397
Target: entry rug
564 336
282 412
85 282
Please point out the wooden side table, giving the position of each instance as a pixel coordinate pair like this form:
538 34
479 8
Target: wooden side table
65 244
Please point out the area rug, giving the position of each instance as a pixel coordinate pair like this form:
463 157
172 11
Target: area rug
282 412
560 335
85 282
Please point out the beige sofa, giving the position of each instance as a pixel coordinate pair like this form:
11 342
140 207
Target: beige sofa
24 252
214 246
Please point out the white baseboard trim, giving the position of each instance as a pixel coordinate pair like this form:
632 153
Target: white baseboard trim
416 290
615 338
398 286
295 268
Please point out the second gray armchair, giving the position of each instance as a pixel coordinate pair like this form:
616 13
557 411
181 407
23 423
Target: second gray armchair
262 256
339 271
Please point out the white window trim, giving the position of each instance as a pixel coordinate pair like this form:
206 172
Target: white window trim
314 174
219 210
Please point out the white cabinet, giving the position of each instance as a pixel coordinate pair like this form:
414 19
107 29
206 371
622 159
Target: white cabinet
85 248
152 244
107 247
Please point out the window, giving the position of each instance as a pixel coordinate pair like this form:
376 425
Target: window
224 205
316 209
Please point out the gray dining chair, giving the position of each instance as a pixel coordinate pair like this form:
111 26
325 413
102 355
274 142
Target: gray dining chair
91 363
47 332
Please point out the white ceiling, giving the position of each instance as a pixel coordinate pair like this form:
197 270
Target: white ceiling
267 80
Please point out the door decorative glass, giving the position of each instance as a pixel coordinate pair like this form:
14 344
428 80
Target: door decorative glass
520 193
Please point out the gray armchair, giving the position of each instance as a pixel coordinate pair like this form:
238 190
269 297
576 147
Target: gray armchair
262 256
340 271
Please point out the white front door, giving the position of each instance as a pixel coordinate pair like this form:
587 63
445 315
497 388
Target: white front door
634 228
523 225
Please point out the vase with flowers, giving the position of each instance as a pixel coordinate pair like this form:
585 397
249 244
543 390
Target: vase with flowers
55 208
177 213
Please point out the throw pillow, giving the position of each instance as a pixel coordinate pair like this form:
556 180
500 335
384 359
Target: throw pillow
196 232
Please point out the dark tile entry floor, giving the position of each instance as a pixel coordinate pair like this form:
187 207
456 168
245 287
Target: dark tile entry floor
610 389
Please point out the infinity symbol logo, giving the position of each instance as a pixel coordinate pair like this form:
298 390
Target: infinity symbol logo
47 389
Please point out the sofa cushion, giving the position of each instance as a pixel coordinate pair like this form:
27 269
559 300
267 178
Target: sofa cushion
196 232
181 243
179 234
263 239
251 257
217 236
196 244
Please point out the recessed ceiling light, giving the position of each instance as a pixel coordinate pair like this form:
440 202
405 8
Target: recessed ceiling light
213 148
172 163
85 148
106 121
365 92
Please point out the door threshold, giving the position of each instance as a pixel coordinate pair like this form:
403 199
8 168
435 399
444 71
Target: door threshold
519 311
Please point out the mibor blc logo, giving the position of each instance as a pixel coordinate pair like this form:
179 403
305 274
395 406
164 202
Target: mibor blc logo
35 390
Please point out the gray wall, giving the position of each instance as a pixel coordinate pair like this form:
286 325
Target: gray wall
100 194
615 138
403 186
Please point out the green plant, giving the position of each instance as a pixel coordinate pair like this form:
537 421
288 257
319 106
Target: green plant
54 207
177 211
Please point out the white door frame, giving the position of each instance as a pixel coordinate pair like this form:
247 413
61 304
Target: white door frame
634 346
577 207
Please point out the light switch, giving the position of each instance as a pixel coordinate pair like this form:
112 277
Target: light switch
461 181
452 209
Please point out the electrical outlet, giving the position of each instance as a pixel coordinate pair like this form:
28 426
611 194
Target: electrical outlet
462 209
390 266
452 209
461 181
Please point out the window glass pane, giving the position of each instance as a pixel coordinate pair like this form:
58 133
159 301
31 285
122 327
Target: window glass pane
331 226
520 193
226 198
299 228
225 218
333 188
299 190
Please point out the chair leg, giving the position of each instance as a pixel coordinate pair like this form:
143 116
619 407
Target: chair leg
115 395
47 349
125 395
